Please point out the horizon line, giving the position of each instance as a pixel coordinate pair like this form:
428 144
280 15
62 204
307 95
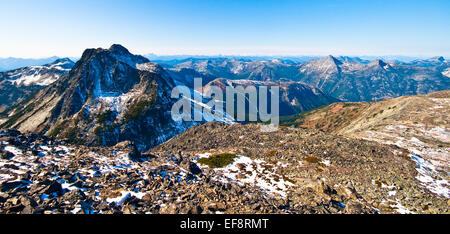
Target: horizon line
242 55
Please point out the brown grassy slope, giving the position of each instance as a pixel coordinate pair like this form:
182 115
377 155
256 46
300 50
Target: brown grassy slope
418 123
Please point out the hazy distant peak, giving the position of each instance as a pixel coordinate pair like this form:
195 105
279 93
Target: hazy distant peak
329 60
62 60
378 62
437 58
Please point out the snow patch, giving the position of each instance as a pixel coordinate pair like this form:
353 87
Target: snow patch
13 150
123 197
429 177
258 173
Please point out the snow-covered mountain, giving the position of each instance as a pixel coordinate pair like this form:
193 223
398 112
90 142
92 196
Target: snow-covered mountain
40 75
17 85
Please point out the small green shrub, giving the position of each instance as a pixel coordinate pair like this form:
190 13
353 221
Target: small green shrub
55 132
218 160
98 130
137 108
105 116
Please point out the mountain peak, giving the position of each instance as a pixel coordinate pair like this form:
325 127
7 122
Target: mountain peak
332 59
378 62
119 48
62 60
438 58
129 91
115 52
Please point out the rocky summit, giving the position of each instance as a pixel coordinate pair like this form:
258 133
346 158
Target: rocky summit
109 96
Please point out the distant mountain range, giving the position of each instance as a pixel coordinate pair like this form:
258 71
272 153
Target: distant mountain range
345 78
10 63
295 97
377 80
175 59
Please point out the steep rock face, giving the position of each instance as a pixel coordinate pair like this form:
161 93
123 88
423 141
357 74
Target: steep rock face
109 96
17 85
378 80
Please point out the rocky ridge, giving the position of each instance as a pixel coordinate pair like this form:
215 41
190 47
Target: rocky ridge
417 123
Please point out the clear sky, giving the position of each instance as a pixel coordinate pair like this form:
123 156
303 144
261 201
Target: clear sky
240 27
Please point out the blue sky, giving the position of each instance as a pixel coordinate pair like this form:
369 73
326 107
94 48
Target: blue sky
245 27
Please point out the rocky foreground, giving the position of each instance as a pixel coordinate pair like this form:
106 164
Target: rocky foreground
42 176
290 171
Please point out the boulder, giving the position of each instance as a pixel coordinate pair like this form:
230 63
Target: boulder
6 154
6 186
